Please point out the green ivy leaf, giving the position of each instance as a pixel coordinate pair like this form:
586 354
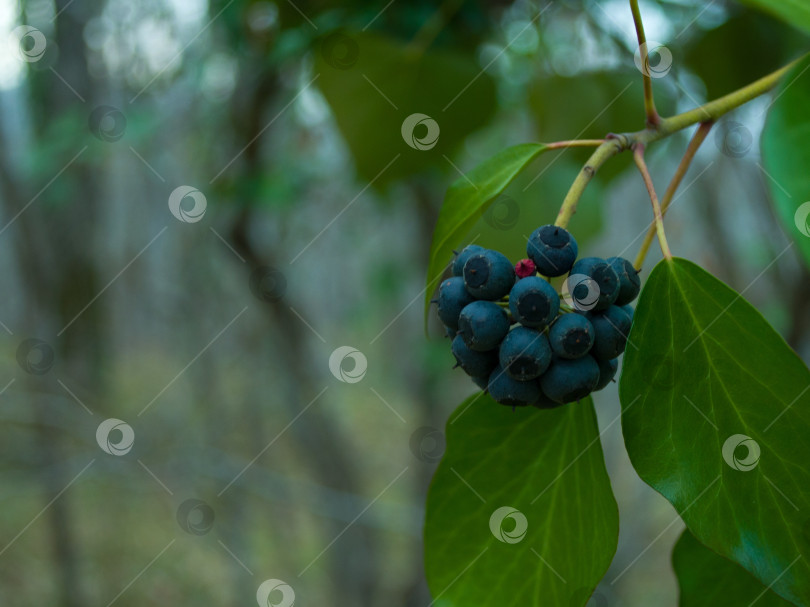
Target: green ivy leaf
537 480
467 199
707 579
715 416
794 12
786 155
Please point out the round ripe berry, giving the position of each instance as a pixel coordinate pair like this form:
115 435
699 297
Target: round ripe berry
488 275
628 309
571 336
570 380
482 325
463 256
629 282
605 278
611 328
474 363
552 249
607 371
510 392
524 353
453 296
533 302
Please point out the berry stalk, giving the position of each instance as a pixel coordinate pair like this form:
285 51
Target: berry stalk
638 157
653 119
697 139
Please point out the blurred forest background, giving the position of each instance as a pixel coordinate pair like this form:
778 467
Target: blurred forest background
211 337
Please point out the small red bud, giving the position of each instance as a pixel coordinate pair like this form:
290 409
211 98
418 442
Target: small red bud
524 268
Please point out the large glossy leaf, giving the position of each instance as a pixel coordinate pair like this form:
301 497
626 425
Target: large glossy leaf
706 579
786 155
794 12
520 512
375 84
467 199
715 416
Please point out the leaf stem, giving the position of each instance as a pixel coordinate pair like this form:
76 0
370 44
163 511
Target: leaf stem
697 139
575 143
638 157
653 119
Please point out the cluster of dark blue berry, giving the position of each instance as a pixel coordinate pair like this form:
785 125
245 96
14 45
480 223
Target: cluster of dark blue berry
517 340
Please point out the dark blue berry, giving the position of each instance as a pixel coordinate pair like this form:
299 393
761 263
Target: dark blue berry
610 328
482 325
571 336
463 256
488 275
524 353
474 363
552 249
534 302
629 282
607 371
628 309
606 279
511 392
570 380
453 296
